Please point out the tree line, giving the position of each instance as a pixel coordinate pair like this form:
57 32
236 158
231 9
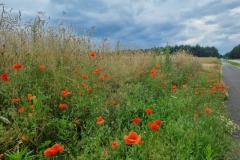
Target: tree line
234 53
196 50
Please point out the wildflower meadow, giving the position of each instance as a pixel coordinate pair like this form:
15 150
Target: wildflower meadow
61 97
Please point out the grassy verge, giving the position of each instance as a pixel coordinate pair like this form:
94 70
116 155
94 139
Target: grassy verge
233 63
188 103
60 100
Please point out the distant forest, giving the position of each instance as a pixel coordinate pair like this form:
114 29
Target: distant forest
196 50
234 53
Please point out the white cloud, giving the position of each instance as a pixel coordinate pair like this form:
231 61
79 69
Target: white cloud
197 31
235 11
234 37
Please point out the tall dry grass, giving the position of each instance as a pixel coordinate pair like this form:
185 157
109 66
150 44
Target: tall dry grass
208 60
184 58
37 42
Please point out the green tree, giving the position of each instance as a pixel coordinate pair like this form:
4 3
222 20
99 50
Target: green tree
235 53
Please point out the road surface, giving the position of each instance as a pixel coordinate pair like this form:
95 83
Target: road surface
231 77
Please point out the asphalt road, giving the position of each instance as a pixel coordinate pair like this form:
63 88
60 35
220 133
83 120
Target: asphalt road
231 77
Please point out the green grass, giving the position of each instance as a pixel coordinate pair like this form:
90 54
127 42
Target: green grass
180 136
233 63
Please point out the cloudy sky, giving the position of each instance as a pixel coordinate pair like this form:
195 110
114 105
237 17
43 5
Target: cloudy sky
146 23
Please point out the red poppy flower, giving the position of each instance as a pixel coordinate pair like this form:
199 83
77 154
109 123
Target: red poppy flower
158 122
174 88
103 77
114 144
114 102
54 150
148 111
105 152
208 110
30 114
157 65
132 137
24 138
76 71
57 147
100 120
29 97
32 107
92 54
84 76
106 103
97 71
17 66
195 115
51 132
62 106
41 67
83 85
1 155
65 92
16 100
75 121
20 110
89 89
153 125
136 120
4 77
153 72
50 152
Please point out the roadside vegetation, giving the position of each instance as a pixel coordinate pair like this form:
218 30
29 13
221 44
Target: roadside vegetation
233 63
62 97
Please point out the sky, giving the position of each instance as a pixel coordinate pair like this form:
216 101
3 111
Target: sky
145 23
